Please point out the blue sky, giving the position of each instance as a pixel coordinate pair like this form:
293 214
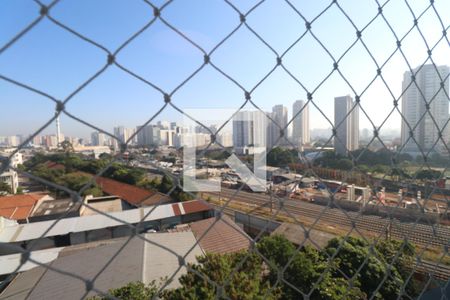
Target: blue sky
55 61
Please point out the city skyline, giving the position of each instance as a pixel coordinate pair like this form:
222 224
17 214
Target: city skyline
238 149
46 63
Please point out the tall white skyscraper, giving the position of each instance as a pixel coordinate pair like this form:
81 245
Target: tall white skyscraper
346 122
300 123
148 135
59 135
425 94
249 129
280 116
119 132
124 134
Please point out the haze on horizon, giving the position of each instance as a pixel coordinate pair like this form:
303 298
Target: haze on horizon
56 62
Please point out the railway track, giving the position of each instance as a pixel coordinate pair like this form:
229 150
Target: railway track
433 269
438 271
425 235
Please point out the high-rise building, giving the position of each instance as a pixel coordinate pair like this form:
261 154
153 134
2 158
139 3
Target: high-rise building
425 108
163 124
148 136
120 132
13 141
59 135
166 137
365 134
50 141
98 139
225 138
124 134
346 123
279 116
300 123
37 140
250 129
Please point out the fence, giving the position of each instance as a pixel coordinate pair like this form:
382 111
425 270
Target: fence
429 237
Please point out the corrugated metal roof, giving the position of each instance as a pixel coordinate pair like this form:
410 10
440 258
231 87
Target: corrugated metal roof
223 237
138 260
125 267
22 285
31 231
9 263
160 262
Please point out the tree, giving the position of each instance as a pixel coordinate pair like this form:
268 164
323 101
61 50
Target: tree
42 171
428 174
67 147
398 172
105 156
344 164
246 283
132 291
381 169
305 268
95 191
217 154
354 259
245 275
279 157
125 174
150 184
401 254
4 187
166 184
73 163
95 166
19 190
76 182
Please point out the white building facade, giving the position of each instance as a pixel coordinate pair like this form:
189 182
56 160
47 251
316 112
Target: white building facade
250 128
425 107
346 123
279 116
300 123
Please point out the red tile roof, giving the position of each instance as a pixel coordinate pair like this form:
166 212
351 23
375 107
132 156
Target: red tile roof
130 193
195 206
19 207
156 198
176 209
223 237
53 165
189 207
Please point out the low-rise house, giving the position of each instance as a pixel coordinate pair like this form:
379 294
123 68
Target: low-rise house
21 207
133 195
105 204
78 230
54 209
